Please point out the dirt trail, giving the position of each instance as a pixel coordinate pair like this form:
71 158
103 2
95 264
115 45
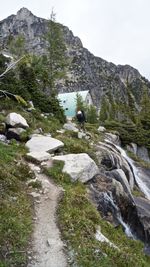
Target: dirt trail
47 247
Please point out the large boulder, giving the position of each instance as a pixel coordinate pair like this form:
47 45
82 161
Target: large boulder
79 166
39 156
41 143
16 120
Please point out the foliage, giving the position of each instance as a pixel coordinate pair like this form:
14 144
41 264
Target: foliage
16 45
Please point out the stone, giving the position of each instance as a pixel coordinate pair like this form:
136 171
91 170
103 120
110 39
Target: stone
41 143
81 135
39 156
79 166
70 127
61 131
3 138
101 129
16 120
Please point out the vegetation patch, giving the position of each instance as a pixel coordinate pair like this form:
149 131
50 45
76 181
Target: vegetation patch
15 208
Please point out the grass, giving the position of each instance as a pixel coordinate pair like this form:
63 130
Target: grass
15 209
79 219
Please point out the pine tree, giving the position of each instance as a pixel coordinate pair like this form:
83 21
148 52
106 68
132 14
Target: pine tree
91 114
56 48
79 102
145 110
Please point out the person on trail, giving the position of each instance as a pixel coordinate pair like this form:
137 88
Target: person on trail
81 119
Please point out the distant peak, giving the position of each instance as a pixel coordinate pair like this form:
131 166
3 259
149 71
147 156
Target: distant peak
24 12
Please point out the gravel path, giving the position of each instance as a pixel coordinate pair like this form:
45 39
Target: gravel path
47 246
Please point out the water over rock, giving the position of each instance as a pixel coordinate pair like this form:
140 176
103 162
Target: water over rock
112 191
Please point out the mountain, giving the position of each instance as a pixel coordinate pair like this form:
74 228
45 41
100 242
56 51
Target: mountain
85 72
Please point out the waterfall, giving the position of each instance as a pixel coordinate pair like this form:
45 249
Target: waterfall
137 174
109 200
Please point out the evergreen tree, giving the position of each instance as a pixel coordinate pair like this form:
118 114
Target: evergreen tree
79 102
16 45
104 110
91 114
56 48
145 110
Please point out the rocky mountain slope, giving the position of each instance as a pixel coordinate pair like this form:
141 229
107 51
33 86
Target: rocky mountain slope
85 72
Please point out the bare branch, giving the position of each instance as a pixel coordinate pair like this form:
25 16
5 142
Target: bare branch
11 66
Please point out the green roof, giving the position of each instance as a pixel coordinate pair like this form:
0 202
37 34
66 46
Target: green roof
68 101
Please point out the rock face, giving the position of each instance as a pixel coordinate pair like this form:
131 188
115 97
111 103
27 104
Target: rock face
79 166
85 72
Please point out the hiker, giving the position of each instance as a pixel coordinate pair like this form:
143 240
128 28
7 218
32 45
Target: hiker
81 119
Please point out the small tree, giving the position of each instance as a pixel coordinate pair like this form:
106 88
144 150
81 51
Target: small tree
145 110
91 114
79 102
16 45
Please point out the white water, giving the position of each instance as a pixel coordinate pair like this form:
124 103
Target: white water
137 174
109 199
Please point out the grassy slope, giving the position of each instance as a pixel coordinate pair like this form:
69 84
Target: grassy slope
15 208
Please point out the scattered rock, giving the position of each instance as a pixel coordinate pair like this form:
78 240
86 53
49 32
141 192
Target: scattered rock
101 129
3 138
61 131
81 135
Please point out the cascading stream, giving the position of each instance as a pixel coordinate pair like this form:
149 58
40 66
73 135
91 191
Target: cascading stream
137 174
109 200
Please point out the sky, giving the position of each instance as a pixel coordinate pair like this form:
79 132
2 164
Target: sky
115 30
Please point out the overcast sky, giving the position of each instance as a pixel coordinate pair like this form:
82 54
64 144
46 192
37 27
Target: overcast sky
115 30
